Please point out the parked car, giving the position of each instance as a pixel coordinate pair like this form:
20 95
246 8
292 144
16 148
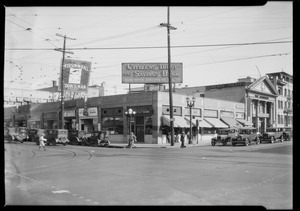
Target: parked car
34 134
273 134
76 136
16 134
56 136
92 139
224 136
287 133
8 134
246 136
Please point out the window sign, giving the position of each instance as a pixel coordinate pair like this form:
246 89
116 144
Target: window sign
177 110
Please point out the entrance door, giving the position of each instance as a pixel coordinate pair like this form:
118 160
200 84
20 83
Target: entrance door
140 129
140 133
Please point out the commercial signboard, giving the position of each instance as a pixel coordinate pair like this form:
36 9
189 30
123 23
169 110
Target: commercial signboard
143 73
76 75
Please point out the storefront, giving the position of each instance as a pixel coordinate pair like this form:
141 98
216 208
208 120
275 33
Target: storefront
142 123
70 119
34 121
88 122
50 120
20 120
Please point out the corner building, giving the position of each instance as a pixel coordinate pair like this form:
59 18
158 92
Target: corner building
258 96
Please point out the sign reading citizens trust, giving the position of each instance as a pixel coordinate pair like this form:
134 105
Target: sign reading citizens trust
76 75
143 73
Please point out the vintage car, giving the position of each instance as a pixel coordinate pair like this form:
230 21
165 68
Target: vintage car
34 134
224 136
246 136
16 134
287 133
76 137
56 136
92 139
273 134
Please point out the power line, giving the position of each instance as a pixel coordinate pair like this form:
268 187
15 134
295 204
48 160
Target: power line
253 57
152 47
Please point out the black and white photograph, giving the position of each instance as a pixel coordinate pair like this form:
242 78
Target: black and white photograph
149 105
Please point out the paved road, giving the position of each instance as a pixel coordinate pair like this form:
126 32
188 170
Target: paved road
207 175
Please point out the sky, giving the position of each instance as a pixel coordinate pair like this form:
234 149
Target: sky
216 45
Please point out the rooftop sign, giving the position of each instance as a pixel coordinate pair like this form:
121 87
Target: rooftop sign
143 73
76 75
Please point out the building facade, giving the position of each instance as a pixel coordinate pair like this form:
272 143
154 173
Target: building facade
259 96
150 124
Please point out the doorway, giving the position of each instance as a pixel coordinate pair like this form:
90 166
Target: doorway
140 129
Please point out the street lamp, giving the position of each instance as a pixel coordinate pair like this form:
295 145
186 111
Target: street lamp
190 103
130 113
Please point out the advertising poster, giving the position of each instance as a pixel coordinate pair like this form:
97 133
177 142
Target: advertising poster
76 75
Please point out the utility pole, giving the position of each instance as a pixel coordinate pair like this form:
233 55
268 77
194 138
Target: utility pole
168 26
62 76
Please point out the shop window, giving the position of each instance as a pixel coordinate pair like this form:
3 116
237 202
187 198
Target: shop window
208 131
148 125
113 124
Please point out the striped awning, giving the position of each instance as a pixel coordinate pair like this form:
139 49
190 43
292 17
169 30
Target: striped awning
201 122
245 123
216 122
231 122
179 121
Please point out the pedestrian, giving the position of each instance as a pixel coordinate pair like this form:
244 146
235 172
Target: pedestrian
169 137
41 140
215 134
133 137
182 139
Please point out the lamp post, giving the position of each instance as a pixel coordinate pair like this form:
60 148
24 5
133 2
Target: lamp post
130 113
190 103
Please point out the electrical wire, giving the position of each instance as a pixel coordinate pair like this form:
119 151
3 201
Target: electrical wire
153 47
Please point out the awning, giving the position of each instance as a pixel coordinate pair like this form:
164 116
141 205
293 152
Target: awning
245 123
179 121
231 122
216 123
202 123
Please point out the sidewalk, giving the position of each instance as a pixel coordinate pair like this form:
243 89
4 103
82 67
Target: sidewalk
143 145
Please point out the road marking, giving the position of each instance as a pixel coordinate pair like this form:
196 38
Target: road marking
60 191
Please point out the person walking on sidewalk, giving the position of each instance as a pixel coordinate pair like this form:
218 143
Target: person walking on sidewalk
132 139
182 139
42 141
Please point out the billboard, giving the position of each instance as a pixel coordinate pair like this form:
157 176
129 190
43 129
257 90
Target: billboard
143 73
76 75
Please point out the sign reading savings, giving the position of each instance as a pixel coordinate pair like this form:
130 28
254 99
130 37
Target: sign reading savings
142 73
76 75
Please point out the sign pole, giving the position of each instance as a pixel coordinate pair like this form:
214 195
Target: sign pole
62 86
62 77
170 81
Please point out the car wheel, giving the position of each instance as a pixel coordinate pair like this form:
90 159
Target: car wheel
213 143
